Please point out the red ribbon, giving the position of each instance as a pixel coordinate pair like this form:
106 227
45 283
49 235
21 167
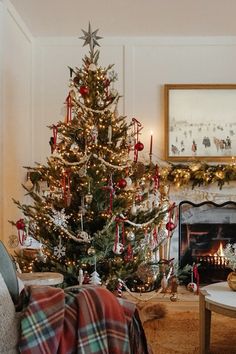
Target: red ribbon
137 128
20 225
65 182
171 212
68 108
155 236
196 276
129 255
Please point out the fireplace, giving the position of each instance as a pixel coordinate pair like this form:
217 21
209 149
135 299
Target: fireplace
204 230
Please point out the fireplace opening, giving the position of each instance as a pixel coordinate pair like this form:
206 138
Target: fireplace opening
204 230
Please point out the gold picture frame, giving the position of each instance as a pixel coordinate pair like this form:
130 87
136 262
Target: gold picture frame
200 122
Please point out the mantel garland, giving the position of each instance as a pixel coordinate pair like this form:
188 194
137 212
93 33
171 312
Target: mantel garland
199 173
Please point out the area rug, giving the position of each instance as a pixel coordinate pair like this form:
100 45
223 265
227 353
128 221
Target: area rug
178 333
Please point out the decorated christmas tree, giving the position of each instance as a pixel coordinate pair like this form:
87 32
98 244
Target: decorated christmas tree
95 200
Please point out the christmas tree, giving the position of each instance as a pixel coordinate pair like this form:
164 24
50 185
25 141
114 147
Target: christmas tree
94 198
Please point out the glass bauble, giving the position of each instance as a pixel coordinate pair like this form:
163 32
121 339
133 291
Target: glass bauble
84 90
139 146
170 226
88 198
130 236
122 183
147 272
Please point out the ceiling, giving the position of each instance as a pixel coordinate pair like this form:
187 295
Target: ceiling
129 17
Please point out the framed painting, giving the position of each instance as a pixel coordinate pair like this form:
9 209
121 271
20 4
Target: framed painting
200 122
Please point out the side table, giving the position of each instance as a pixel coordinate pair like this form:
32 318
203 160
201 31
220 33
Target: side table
41 278
216 297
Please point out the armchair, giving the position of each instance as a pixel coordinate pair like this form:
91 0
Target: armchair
53 321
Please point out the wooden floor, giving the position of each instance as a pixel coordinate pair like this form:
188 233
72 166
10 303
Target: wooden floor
176 331
186 300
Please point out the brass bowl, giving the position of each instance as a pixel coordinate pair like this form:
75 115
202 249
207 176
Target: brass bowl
231 279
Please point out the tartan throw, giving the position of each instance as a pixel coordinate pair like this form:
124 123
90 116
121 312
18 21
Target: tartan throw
90 321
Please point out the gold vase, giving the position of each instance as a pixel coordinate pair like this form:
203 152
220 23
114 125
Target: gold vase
231 279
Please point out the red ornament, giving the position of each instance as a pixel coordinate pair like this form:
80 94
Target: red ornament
139 146
20 224
86 279
84 90
170 226
122 183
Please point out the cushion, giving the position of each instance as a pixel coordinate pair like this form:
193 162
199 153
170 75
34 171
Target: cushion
9 321
8 272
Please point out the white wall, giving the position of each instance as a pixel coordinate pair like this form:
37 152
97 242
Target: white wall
16 119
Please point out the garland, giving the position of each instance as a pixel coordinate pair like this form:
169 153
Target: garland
101 111
150 297
86 158
199 173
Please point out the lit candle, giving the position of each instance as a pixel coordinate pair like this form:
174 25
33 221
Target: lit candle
151 141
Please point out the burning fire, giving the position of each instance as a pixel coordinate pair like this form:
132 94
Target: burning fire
219 255
219 252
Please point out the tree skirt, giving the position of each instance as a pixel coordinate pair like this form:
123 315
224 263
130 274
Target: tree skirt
178 333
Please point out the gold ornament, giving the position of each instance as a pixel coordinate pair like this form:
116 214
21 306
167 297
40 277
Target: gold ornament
118 260
164 172
195 166
220 174
164 191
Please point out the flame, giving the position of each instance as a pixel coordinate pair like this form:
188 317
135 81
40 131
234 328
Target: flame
220 251
219 255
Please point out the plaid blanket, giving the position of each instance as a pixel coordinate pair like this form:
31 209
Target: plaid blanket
91 321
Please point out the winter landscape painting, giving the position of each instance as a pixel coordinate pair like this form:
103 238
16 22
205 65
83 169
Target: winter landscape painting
200 122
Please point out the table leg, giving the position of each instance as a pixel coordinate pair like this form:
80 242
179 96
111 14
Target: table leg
204 325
